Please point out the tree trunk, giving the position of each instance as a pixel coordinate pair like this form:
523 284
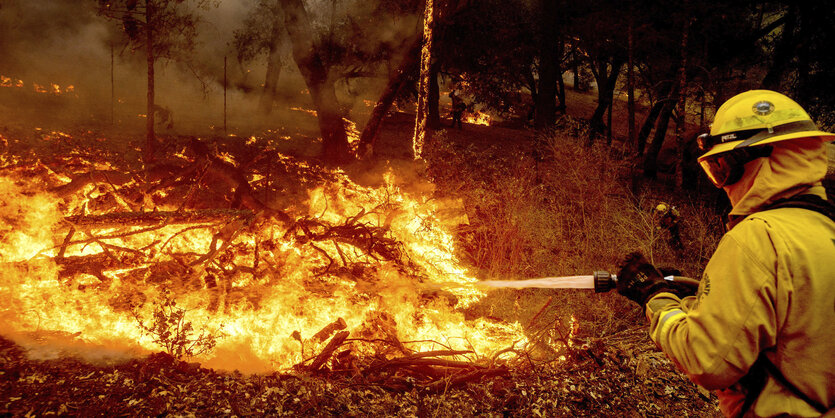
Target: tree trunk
305 53
630 81
150 137
546 107
560 83
649 122
268 96
681 104
605 95
531 83
408 64
609 123
422 130
575 64
651 159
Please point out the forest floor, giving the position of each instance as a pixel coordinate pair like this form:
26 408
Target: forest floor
537 205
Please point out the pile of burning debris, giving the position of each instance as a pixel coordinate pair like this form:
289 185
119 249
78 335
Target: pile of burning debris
239 257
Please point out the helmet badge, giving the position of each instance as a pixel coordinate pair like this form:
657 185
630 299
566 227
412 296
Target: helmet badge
763 108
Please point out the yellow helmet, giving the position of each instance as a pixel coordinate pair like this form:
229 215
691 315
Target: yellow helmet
744 123
757 117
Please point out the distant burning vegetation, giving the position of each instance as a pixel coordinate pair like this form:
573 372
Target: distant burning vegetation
48 88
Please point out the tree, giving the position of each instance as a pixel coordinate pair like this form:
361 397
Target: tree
332 47
491 45
801 61
165 29
408 64
677 98
630 77
601 31
263 32
549 68
696 52
319 82
422 130
784 48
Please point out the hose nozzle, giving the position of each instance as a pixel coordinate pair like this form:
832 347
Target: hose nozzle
604 281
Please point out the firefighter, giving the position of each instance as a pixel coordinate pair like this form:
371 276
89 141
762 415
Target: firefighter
667 217
759 330
164 116
458 107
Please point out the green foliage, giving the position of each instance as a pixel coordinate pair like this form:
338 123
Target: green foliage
169 329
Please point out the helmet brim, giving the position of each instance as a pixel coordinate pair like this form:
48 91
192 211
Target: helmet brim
728 146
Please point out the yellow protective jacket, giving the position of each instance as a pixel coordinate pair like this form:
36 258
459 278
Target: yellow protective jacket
769 287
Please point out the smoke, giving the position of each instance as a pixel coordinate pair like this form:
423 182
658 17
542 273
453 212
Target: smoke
52 40
67 43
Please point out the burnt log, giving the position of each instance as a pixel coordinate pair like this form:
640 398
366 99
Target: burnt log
327 352
94 265
328 330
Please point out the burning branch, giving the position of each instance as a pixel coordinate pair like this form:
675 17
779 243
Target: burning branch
365 253
326 354
328 330
156 219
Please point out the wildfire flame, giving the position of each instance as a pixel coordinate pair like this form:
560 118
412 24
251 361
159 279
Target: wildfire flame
10 82
352 132
50 88
308 111
478 118
271 305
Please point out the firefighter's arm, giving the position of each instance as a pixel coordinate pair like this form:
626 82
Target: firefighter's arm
716 337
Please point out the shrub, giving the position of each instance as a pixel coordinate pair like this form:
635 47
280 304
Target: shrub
169 329
555 207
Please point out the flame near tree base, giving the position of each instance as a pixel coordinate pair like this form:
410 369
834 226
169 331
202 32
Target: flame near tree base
342 276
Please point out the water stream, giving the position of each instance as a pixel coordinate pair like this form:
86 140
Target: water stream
564 282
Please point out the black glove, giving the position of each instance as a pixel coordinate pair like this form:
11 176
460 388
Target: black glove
639 280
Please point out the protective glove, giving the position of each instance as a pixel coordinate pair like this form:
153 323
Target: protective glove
639 281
